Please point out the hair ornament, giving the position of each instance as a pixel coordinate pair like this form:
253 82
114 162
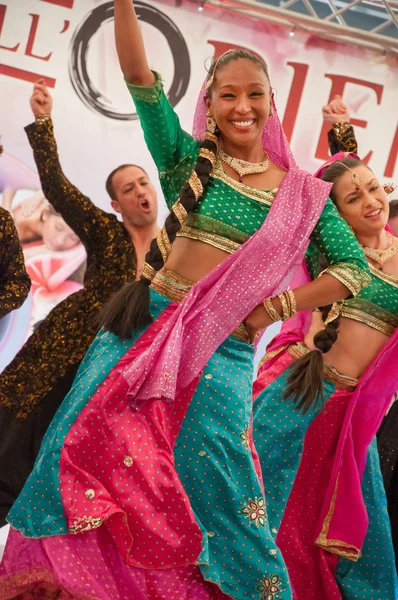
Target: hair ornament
209 82
355 178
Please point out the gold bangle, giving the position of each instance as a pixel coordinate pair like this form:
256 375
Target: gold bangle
272 313
293 303
285 306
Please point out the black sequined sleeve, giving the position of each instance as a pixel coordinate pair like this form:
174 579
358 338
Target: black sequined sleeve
14 280
341 138
79 212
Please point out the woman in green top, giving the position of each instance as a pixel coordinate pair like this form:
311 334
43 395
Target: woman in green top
146 485
316 436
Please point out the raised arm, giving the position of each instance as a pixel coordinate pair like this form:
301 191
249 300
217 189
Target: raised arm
341 137
130 45
173 150
14 280
79 212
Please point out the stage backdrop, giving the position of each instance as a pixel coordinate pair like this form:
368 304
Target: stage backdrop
70 43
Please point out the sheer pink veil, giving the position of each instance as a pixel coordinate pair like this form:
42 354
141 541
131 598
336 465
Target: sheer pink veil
261 267
274 140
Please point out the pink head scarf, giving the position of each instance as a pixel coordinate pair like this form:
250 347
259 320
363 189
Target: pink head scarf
260 268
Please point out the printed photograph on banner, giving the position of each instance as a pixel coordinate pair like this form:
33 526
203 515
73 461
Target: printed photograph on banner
54 255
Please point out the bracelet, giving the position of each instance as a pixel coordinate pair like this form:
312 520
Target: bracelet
42 118
293 303
285 306
289 305
272 313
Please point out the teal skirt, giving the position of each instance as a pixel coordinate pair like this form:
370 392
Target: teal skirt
279 432
212 458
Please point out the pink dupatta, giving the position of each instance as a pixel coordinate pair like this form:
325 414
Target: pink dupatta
262 267
340 525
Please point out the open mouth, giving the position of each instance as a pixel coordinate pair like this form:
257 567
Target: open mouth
243 124
374 213
145 206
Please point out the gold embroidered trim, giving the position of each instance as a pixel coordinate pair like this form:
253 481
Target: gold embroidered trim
335 546
85 523
148 272
358 315
330 373
147 93
11 585
208 238
263 196
386 277
206 223
179 212
164 244
271 354
349 276
196 185
205 153
173 286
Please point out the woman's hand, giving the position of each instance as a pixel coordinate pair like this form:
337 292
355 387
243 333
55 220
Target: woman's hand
336 112
258 319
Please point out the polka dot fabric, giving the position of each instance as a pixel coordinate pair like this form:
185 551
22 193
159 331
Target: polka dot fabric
38 511
284 438
61 572
173 486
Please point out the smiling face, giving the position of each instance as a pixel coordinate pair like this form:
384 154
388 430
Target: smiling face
365 208
135 196
240 102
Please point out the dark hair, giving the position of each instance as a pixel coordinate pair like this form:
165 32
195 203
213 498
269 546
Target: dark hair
128 309
393 204
305 380
232 55
109 180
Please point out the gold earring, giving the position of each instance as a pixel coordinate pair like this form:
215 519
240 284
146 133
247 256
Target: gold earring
389 188
211 124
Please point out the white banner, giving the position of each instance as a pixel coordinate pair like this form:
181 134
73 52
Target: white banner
71 44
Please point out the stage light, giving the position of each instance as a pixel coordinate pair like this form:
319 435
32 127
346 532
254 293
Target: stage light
292 32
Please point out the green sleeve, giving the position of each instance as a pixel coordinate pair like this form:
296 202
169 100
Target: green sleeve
173 150
335 241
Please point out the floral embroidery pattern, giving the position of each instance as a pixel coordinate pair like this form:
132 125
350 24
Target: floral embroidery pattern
269 587
255 510
245 437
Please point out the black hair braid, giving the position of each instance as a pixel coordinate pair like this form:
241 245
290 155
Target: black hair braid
128 309
305 380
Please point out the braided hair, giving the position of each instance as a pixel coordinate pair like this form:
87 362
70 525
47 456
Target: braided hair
305 380
128 309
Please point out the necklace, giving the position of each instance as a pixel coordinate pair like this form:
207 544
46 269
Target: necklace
242 167
382 256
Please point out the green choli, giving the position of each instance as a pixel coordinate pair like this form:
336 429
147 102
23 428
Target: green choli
376 305
228 209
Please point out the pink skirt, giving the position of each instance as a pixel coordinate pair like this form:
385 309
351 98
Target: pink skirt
90 565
